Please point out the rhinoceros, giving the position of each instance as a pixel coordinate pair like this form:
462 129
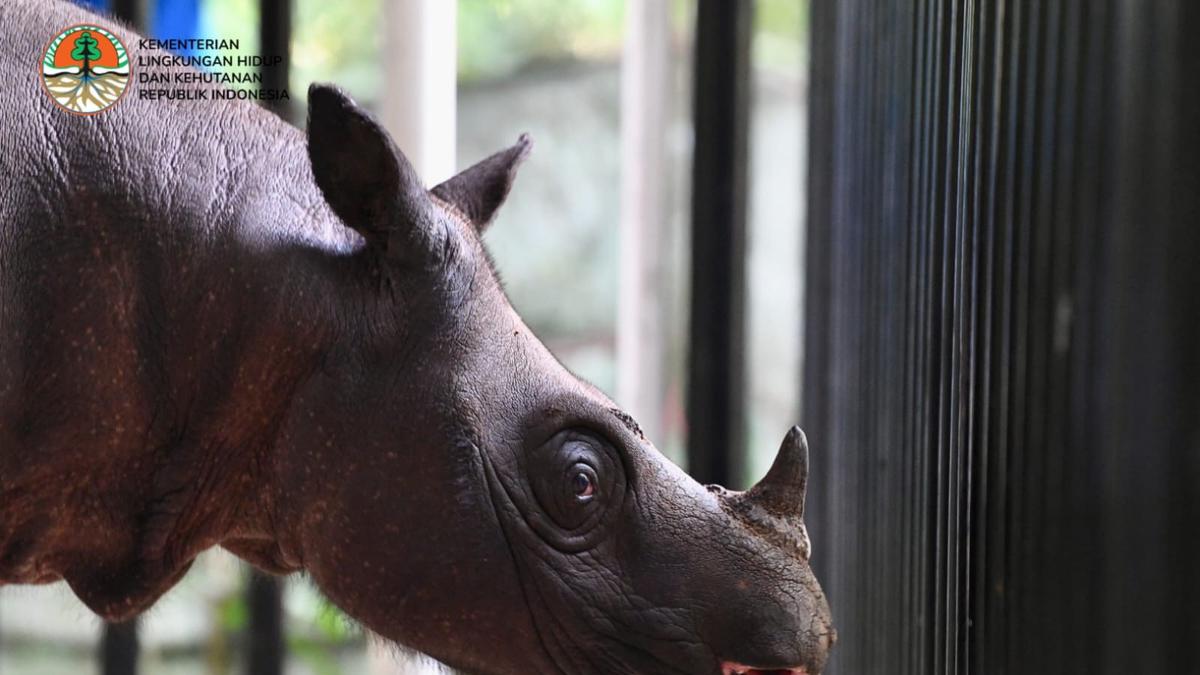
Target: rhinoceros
216 330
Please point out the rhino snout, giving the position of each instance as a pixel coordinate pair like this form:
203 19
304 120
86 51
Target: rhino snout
771 615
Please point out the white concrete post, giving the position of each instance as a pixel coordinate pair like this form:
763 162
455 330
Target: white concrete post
641 314
419 101
420 53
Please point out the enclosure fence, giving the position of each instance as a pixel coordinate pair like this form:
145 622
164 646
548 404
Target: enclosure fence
1003 334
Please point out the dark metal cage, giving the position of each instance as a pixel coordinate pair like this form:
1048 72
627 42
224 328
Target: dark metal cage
1003 334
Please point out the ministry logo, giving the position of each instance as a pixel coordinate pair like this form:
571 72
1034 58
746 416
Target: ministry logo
85 69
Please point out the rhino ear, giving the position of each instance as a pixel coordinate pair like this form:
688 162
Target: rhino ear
366 180
480 190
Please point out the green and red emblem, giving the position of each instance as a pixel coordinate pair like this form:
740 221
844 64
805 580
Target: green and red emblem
85 69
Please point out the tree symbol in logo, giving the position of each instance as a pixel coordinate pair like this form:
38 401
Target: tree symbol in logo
86 50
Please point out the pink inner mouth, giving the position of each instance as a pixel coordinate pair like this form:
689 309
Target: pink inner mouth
731 668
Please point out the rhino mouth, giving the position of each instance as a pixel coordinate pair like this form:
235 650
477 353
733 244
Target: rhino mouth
731 668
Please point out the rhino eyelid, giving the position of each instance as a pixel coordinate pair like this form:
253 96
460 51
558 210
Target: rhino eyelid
600 437
594 438
602 441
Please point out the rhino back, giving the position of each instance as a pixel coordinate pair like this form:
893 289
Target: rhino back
153 283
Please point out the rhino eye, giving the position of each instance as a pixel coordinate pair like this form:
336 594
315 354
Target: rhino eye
575 477
583 483
577 482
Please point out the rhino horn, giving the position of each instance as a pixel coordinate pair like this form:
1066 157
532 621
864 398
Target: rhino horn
781 491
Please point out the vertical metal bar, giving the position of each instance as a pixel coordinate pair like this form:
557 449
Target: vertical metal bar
264 593
814 392
119 648
986 93
265 603
1148 443
716 368
275 40
815 397
132 12
1095 124
1181 249
119 641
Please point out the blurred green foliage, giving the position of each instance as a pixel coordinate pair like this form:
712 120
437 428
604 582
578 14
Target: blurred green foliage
233 613
315 655
499 37
331 41
340 41
787 19
781 34
332 624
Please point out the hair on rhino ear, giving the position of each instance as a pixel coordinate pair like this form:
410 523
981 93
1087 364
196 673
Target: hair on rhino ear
480 190
365 179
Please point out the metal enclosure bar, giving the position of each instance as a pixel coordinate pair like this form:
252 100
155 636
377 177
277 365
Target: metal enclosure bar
275 39
119 645
264 593
716 348
265 635
119 648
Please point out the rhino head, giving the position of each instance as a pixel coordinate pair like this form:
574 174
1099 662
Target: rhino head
449 484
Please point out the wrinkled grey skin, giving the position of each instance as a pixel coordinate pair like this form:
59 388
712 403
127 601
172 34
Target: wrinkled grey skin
214 331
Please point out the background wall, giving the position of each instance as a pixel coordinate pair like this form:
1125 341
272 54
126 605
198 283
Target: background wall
1002 330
